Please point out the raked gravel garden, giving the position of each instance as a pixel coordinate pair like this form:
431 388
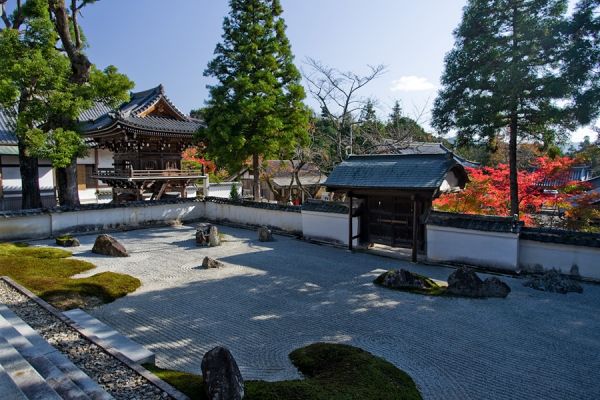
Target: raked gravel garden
271 298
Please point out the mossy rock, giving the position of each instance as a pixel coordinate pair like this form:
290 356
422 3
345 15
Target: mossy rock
67 241
408 281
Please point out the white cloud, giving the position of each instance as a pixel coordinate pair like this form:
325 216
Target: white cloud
411 83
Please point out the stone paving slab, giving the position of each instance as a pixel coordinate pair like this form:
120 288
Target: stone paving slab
275 297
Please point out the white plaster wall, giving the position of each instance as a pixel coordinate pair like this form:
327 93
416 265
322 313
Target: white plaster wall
105 158
330 227
223 190
560 256
488 249
283 220
11 178
29 227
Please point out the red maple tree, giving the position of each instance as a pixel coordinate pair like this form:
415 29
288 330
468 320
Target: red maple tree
193 161
546 184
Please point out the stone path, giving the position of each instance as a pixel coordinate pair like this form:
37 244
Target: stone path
275 297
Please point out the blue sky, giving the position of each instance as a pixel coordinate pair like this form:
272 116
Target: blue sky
154 43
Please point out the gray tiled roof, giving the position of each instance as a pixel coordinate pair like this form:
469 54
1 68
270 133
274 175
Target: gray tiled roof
325 206
391 147
488 223
411 171
7 129
561 236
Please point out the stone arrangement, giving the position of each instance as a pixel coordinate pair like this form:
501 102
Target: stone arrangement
207 235
465 282
210 263
265 234
221 375
109 246
554 281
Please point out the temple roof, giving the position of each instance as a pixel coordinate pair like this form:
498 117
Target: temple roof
149 111
393 171
392 147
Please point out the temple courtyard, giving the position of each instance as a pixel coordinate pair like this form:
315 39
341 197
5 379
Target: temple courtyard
274 297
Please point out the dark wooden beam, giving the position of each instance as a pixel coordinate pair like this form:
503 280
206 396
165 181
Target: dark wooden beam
350 221
415 228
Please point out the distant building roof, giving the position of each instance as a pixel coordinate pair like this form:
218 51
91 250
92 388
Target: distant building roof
393 147
578 173
397 171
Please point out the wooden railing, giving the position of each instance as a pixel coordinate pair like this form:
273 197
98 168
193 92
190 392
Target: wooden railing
145 173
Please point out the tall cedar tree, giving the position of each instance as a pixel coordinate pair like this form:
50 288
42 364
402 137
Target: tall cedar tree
502 75
256 107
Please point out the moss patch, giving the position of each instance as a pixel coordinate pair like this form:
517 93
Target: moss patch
332 372
47 272
434 288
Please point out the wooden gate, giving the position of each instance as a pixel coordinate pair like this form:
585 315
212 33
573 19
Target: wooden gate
390 220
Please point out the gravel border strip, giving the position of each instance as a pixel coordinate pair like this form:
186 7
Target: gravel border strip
162 390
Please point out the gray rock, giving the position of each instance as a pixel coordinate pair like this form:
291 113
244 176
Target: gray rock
213 237
574 271
209 263
494 287
109 246
265 234
202 234
465 282
554 281
402 279
221 375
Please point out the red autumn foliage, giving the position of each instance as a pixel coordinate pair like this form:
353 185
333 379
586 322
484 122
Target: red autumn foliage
192 160
488 191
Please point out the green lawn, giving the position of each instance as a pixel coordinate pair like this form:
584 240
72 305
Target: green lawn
47 272
332 372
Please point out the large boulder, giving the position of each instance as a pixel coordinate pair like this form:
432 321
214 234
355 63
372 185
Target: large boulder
465 282
210 263
221 375
403 279
554 281
265 234
109 246
213 237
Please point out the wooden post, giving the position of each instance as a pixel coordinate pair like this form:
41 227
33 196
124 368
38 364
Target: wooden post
350 221
415 229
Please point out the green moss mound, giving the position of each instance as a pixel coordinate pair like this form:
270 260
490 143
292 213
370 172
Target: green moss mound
332 372
47 272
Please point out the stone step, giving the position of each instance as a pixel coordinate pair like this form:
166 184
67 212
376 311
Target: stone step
25 377
58 371
8 388
109 337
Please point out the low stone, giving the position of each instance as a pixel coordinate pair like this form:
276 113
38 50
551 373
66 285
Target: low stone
554 281
213 237
209 263
403 279
109 246
265 234
465 282
221 375
494 287
67 241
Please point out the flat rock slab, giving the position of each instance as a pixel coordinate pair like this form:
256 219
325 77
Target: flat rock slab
93 327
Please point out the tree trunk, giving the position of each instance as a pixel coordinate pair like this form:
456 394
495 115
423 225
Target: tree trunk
30 184
256 182
512 162
61 185
68 191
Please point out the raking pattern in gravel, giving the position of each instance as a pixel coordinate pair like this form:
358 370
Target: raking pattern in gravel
275 297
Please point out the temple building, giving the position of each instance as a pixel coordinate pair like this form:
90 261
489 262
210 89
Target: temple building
146 137
134 153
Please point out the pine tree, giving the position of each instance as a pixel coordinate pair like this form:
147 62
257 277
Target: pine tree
256 108
502 75
395 118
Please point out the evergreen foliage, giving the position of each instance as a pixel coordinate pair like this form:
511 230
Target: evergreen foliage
255 108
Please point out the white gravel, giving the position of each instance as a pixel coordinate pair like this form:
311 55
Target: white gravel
275 297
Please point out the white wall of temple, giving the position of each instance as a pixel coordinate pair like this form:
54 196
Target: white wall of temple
329 227
534 254
497 250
